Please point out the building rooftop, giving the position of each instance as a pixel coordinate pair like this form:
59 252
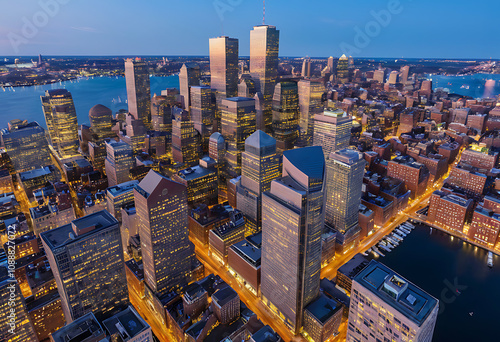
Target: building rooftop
266 334
308 160
43 171
323 308
403 296
122 188
236 222
224 296
354 266
127 323
248 251
239 99
260 143
194 172
85 328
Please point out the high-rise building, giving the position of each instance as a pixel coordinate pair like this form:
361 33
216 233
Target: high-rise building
27 146
60 116
405 71
264 51
162 212
260 166
101 122
119 160
15 324
343 69
237 124
332 130
185 139
292 223
306 67
119 196
344 178
202 112
217 151
138 90
310 103
87 261
223 69
189 76
386 307
161 113
286 115
330 65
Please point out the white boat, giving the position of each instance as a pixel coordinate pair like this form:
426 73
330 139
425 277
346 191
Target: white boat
412 226
384 248
400 238
400 232
364 253
405 230
407 227
393 241
490 259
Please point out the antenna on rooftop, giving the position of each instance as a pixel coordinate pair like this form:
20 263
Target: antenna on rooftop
264 13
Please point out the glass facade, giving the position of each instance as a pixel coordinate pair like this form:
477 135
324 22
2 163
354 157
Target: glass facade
189 76
332 131
264 51
101 121
138 90
203 112
343 69
185 140
118 162
286 115
310 104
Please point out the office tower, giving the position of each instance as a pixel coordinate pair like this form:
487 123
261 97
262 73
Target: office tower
393 77
189 76
138 90
306 67
310 104
330 65
27 146
379 76
223 69
343 69
120 196
264 51
161 113
217 151
87 261
286 115
344 178
201 183
332 130
260 166
60 116
15 324
292 224
162 212
119 160
101 122
247 86
386 307
237 123
405 71
202 113
185 139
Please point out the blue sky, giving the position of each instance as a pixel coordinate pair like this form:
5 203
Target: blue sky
423 28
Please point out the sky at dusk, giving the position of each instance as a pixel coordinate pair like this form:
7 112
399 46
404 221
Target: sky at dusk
316 28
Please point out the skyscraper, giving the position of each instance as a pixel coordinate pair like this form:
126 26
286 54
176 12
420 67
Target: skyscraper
101 122
330 64
202 112
332 130
344 178
27 146
310 104
292 224
217 151
189 76
264 51
386 307
306 67
162 213
286 115
224 69
185 139
119 160
86 258
138 90
237 123
343 69
405 71
60 116
260 166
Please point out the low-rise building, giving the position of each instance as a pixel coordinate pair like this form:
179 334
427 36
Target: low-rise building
83 329
226 305
244 261
223 236
203 219
322 318
449 211
484 227
347 272
128 326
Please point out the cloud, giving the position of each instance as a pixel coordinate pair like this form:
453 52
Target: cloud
85 29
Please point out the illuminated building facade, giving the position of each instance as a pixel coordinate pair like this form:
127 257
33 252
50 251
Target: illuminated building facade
260 166
120 196
343 69
449 211
285 115
27 146
310 103
237 123
189 76
484 227
161 113
87 261
119 160
225 235
201 184
203 112
138 90
101 122
264 51
292 223
386 307
162 212
332 130
414 175
185 139
344 178
60 116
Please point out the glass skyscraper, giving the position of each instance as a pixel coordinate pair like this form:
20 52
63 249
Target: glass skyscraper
60 116
162 212
119 160
86 258
310 104
292 223
286 115
343 69
202 112
189 76
264 51
185 139
332 130
138 90
101 122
